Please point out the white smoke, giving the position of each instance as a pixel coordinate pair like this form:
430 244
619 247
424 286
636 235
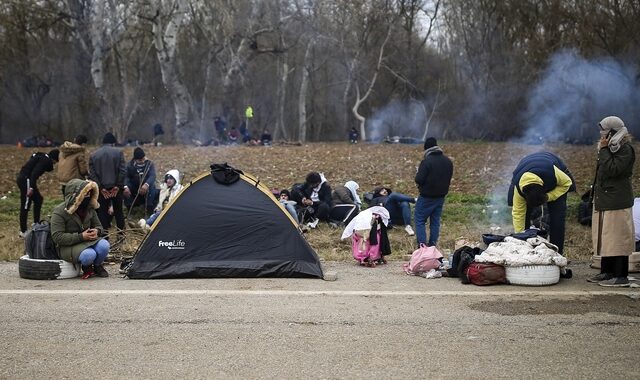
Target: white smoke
398 118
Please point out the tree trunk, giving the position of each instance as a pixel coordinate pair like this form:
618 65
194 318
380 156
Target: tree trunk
282 96
302 98
204 135
165 40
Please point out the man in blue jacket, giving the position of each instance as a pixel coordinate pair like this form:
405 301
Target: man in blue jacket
541 178
433 180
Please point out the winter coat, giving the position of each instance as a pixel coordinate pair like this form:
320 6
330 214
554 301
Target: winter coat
73 162
37 165
135 172
612 187
541 168
107 167
169 193
612 228
324 194
342 195
66 226
434 174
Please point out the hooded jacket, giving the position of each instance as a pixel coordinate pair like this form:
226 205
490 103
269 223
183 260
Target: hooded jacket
169 193
38 164
73 162
66 225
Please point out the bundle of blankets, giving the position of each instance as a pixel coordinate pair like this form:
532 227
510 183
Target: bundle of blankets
515 252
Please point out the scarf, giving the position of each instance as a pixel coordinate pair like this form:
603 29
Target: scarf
616 141
353 187
433 149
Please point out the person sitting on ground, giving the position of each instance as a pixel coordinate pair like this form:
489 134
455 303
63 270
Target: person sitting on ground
75 228
289 205
73 161
140 182
27 181
315 192
397 204
234 135
346 203
265 139
168 192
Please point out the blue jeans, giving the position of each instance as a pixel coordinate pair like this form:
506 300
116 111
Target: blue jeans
95 254
399 210
428 208
153 218
290 206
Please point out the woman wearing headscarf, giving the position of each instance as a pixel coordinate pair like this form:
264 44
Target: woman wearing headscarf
346 202
612 229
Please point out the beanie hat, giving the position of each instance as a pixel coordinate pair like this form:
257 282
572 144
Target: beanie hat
53 154
611 123
430 142
138 153
109 138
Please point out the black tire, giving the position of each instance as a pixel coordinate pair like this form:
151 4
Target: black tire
35 269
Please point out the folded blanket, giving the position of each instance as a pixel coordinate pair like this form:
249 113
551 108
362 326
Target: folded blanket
514 252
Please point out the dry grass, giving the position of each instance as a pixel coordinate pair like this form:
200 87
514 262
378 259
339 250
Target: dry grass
476 202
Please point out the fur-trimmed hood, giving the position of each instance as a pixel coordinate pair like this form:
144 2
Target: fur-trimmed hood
69 149
74 194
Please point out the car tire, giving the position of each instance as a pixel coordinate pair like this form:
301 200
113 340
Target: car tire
533 275
36 269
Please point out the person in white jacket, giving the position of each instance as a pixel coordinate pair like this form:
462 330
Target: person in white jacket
168 191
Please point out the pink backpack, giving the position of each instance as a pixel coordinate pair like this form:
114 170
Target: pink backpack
423 260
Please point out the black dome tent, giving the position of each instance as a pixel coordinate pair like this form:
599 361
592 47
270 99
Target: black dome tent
224 230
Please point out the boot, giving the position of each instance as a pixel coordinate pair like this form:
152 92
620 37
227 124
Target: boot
87 271
100 271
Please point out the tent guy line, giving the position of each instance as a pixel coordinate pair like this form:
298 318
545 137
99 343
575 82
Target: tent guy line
333 293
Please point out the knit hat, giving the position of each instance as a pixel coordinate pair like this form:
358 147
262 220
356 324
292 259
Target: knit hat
53 154
109 138
138 154
430 142
611 123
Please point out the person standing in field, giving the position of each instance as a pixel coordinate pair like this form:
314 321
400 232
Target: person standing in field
612 226
433 179
107 168
73 161
27 181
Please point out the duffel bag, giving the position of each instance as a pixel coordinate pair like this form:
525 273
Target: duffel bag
486 274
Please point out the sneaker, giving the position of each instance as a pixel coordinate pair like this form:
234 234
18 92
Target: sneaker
600 277
314 223
409 230
142 223
87 271
100 271
618 282
566 273
21 234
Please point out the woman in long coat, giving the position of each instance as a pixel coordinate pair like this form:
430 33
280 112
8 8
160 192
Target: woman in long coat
612 229
75 228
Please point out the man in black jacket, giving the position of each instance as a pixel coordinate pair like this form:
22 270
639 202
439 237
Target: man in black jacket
433 179
27 181
314 193
107 168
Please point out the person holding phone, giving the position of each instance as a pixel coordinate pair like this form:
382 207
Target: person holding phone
76 228
612 226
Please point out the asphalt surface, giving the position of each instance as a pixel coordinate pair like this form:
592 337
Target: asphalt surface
370 323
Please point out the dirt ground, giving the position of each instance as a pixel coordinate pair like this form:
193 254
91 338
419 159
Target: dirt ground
475 204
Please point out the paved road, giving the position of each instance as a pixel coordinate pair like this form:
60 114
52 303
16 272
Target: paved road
370 323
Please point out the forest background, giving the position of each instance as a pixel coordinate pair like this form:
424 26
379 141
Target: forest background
502 70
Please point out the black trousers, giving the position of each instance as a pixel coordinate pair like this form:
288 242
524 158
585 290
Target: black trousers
25 203
321 211
557 215
118 213
618 266
343 213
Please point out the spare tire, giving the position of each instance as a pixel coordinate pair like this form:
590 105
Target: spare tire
36 269
533 275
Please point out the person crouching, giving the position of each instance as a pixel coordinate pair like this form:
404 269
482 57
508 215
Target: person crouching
75 228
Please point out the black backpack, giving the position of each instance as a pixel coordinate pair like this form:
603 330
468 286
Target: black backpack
225 174
38 243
